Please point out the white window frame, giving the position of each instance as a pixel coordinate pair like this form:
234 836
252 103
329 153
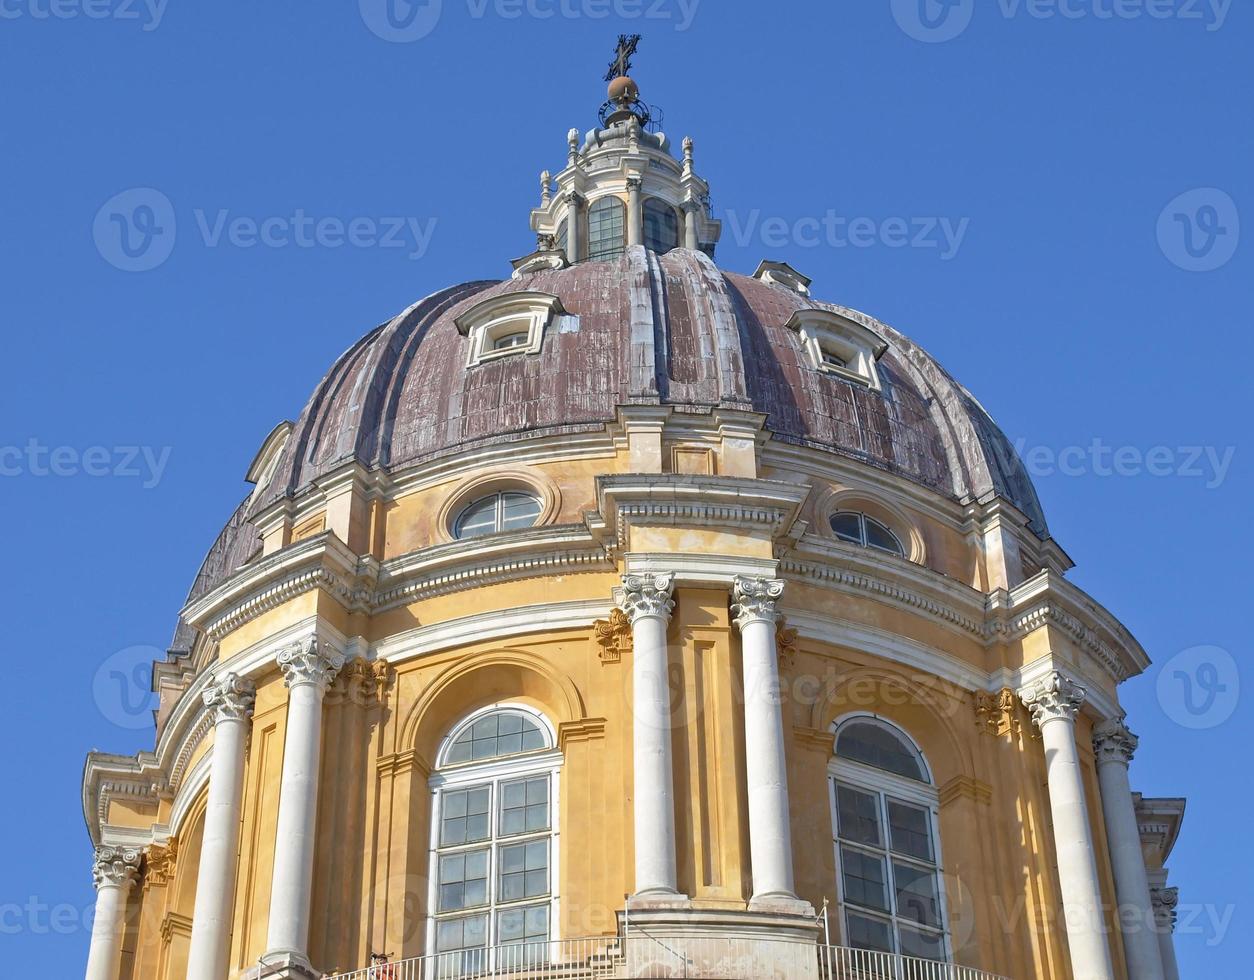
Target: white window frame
495 771
526 312
823 331
884 785
499 521
863 518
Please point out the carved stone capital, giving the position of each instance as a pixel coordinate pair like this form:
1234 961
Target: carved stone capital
997 713
634 184
159 862
1114 742
1054 697
309 662
116 866
230 697
647 595
786 643
755 600
612 636
1164 901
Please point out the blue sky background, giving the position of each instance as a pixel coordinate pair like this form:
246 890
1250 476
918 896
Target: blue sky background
1056 142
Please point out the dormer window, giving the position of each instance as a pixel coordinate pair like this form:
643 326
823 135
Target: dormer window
508 325
839 346
607 223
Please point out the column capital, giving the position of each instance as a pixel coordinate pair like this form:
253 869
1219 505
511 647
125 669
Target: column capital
647 595
1113 741
755 600
1054 696
309 662
230 697
1164 901
574 199
116 866
634 183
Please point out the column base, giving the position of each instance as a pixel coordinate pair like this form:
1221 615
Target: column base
781 903
282 966
655 899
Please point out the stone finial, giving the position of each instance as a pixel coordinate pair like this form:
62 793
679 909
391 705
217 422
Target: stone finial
572 147
647 595
546 188
1053 697
116 866
687 145
755 600
1114 742
230 697
309 662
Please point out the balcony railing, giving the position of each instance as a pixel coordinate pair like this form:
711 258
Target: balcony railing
641 955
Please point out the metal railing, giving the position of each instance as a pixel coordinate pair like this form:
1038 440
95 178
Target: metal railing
645 956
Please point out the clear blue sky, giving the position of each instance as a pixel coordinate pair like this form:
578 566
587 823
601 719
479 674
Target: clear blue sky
1052 146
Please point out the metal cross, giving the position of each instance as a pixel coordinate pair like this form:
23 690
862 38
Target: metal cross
627 44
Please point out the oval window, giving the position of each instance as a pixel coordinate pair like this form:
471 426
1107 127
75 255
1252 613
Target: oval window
866 531
510 510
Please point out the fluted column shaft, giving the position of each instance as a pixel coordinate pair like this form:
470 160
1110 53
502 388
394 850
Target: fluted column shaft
231 700
114 870
754 603
308 669
1054 701
1164 901
647 602
1114 745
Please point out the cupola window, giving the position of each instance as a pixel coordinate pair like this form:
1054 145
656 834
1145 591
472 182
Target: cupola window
510 510
838 345
607 222
884 818
661 226
507 325
859 529
508 341
495 819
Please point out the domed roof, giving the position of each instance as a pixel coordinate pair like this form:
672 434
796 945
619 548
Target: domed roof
405 394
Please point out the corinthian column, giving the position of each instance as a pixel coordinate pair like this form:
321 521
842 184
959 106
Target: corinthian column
114 871
635 214
754 603
231 699
1164 901
308 668
1054 701
1113 745
647 602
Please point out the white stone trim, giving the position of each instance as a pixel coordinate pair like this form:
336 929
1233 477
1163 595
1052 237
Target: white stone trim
194 783
526 312
857 345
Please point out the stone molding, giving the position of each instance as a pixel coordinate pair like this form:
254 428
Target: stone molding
612 637
116 866
1113 742
1164 901
787 644
159 863
646 595
230 697
309 662
755 600
583 730
1054 697
966 788
997 713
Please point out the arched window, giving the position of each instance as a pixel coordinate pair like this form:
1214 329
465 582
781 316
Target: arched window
607 220
509 510
884 820
563 239
493 854
866 531
661 226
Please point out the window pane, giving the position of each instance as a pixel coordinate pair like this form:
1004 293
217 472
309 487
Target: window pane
505 342
563 238
917 897
470 937
463 880
910 830
876 746
661 226
848 527
864 932
524 806
858 816
863 878
606 220
878 536
525 932
478 518
465 816
518 510
500 734
915 942
524 871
